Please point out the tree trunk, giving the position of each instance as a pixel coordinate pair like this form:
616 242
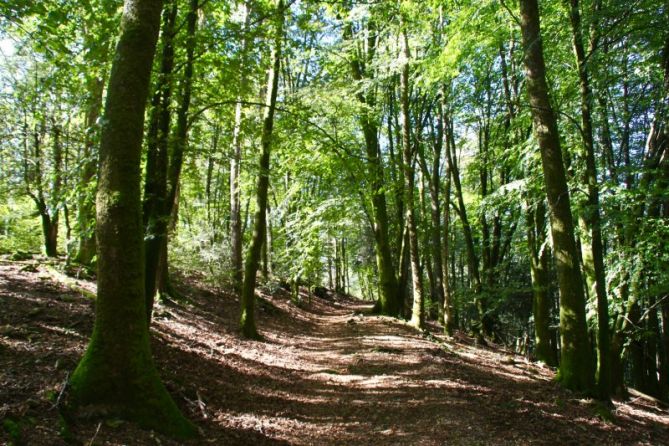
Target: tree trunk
86 201
480 327
389 294
592 251
448 311
651 384
236 235
247 320
418 309
575 362
176 154
116 374
541 304
50 232
155 185
434 185
664 350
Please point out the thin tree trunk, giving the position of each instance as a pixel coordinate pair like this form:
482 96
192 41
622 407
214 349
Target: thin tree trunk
236 234
418 310
448 311
86 200
247 318
177 150
480 327
155 186
664 348
541 304
389 294
651 385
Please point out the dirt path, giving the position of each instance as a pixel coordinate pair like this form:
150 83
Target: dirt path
324 375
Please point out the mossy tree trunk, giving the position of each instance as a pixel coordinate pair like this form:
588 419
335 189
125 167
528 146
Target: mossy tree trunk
247 319
116 375
592 251
535 216
177 150
389 291
576 370
408 177
235 164
155 186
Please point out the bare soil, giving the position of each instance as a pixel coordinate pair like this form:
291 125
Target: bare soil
325 374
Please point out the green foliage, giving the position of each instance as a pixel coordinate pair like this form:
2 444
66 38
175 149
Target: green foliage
466 57
19 229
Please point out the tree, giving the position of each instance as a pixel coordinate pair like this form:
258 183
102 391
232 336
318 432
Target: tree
418 310
155 186
575 364
360 62
235 163
247 320
592 250
116 375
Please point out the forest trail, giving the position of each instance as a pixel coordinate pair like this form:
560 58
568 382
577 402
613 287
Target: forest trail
324 374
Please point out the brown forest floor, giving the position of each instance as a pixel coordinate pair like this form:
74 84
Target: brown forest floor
324 375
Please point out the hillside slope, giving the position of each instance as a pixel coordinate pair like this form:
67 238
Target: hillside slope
324 374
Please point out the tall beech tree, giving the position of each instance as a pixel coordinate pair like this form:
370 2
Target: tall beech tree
361 60
179 145
247 319
575 362
236 161
408 174
116 375
592 250
155 185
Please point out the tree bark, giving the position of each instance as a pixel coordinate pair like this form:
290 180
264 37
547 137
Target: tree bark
247 319
236 235
116 374
592 251
418 309
576 371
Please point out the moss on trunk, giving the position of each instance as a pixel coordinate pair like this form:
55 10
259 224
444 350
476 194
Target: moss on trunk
247 323
576 370
116 376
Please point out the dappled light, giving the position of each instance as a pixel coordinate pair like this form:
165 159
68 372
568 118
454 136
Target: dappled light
349 378
328 222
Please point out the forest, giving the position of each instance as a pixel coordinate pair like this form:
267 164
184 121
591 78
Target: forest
334 222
